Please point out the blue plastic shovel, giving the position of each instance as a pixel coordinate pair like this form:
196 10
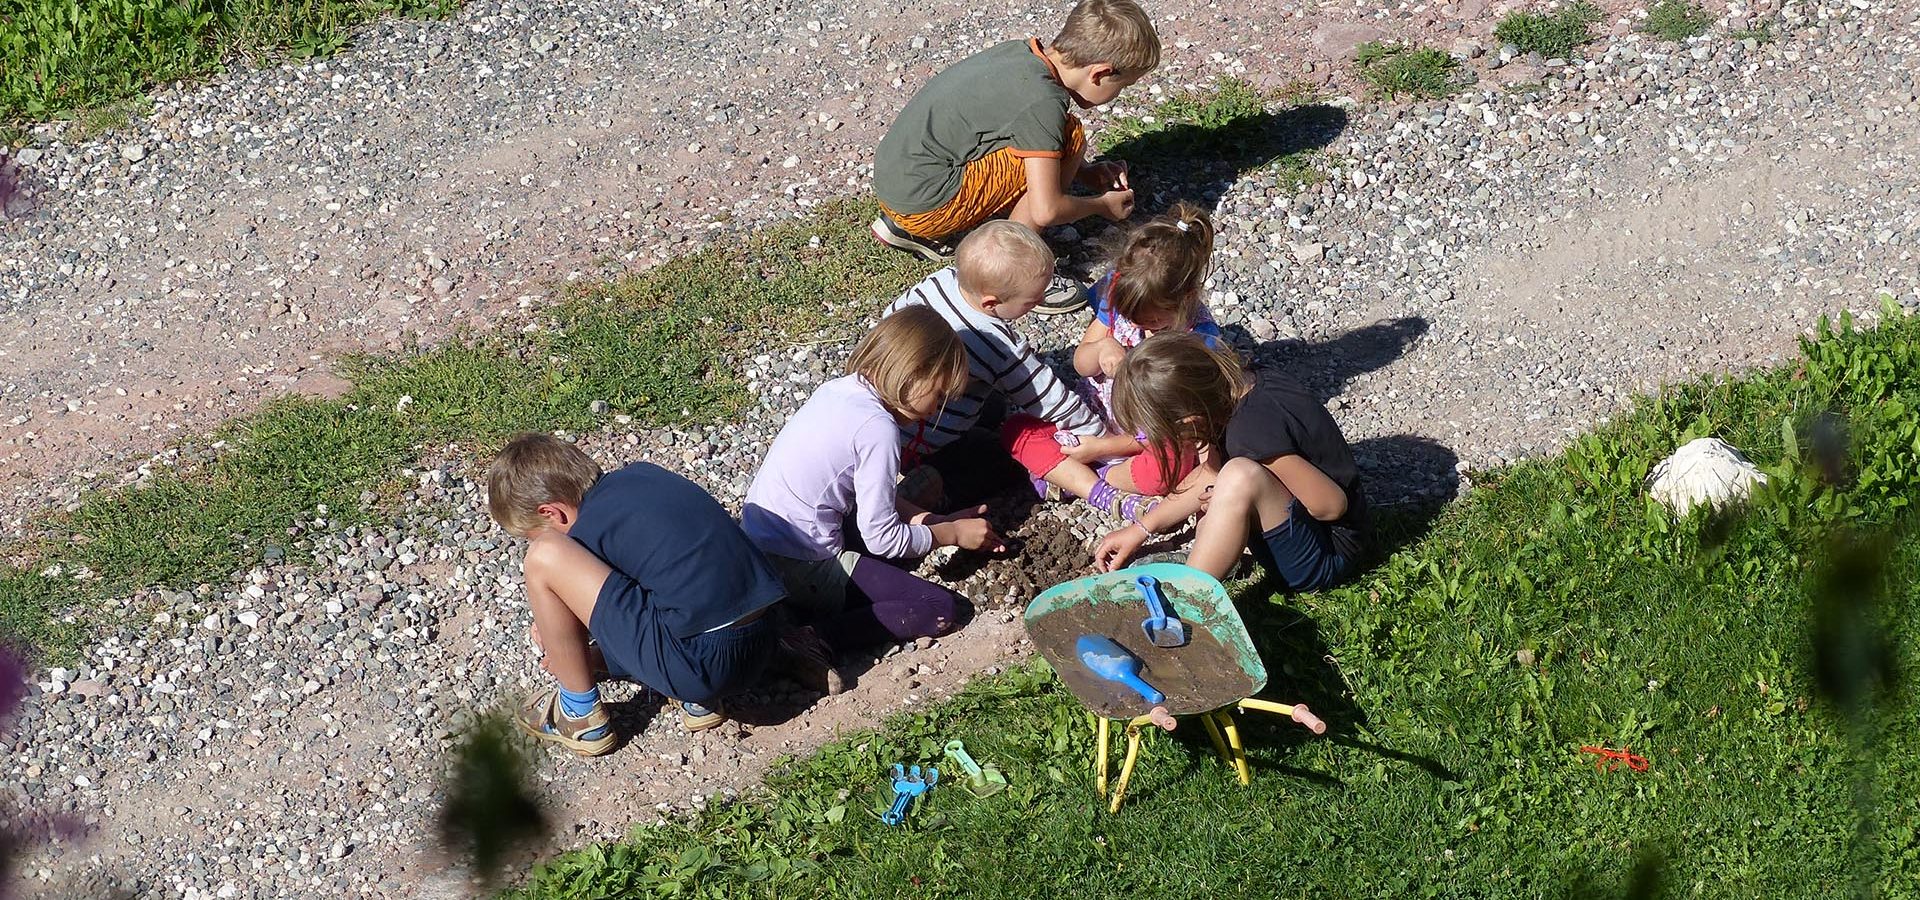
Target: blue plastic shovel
1112 662
1162 630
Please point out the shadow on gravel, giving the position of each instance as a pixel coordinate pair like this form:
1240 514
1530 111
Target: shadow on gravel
1198 162
1327 367
1409 481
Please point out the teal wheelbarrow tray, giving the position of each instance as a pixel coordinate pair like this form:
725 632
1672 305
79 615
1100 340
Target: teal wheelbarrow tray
1215 672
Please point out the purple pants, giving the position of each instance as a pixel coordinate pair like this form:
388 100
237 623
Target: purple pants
887 604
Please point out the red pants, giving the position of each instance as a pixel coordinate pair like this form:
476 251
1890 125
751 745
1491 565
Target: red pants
1030 440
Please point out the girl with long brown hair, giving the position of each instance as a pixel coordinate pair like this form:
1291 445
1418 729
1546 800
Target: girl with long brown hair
1287 478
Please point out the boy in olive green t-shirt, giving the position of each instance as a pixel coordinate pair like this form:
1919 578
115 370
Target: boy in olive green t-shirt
992 136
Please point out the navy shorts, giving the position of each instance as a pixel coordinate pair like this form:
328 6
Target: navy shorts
1302 552
699 669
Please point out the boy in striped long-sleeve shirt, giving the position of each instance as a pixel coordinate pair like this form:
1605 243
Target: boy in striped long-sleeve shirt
1000 273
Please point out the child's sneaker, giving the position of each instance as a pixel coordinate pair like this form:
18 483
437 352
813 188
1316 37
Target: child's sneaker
1118 503
1065 294
696 718
900 239
808 660
1046 490
540 715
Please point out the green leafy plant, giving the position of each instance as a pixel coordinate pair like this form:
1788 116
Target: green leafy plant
1549 34
1676 20
1396 70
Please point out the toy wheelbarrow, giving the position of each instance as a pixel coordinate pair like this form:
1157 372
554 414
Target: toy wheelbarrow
1215 672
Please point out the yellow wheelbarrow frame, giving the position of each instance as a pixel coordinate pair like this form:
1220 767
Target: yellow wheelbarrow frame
1221 728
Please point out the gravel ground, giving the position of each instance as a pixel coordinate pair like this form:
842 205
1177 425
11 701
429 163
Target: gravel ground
1475 280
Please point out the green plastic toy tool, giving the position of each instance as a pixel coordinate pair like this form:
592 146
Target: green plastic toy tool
982 781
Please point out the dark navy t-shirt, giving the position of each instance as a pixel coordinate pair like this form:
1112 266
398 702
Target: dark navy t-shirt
694 565
1280 417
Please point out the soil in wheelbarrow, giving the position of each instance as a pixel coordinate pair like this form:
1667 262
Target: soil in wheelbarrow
1200 676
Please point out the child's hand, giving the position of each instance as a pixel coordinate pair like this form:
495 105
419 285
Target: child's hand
1111 355
1117 205
1110 175
976 534
1118 547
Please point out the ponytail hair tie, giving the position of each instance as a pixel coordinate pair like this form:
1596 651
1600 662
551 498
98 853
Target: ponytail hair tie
1182 225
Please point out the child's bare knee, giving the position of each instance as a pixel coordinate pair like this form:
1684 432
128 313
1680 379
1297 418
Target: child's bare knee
545 559
1240 477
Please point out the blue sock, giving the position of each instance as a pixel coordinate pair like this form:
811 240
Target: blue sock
578 703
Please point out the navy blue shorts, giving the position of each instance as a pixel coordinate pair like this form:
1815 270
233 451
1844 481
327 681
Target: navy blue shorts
1302 552
699 669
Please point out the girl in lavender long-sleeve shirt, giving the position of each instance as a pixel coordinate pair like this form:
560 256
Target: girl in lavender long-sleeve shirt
838 459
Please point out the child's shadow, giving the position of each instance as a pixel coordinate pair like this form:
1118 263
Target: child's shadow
1328 367
1199 161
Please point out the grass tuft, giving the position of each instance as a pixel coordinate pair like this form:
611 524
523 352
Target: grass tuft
64 56
1549 34
1676 20
1396 70
1233 125
1760 32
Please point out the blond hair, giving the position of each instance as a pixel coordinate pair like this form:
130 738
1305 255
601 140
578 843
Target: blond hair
1115 32
1163 266
531 470
1175 390
1000 257
907 350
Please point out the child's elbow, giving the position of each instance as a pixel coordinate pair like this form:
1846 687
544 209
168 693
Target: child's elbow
1049 206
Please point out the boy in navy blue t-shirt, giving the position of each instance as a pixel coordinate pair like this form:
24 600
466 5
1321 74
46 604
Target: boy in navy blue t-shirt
647 564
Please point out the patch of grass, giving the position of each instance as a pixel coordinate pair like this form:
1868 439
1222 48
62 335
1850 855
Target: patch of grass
1759 32
659 346
1553 34
1557 607
1231 126
1676 20
64 55
1396 70
92 123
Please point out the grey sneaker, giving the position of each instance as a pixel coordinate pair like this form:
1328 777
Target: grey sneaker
1065 294
695 717
899 239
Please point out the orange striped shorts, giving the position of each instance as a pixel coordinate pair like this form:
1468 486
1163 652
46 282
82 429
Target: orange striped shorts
990 187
